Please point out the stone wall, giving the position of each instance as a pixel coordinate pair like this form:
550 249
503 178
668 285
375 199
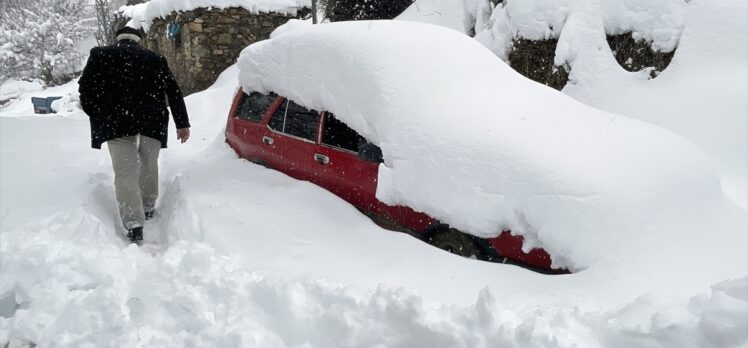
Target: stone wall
635 55
535 59
210 41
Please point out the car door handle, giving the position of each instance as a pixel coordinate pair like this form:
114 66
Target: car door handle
267 140
322 159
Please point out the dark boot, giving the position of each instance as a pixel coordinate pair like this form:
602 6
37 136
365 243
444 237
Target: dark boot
135 235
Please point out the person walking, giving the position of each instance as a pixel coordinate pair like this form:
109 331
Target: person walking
124 89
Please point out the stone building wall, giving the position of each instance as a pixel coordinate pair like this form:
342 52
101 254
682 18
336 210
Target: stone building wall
210 41
535 59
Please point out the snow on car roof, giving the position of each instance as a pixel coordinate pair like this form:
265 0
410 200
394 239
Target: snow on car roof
141 15
476 145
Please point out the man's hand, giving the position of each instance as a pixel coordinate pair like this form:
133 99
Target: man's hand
183 134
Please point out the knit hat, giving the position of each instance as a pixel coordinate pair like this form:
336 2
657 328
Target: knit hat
128 33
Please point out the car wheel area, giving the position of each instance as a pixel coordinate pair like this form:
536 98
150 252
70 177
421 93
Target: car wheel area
456 242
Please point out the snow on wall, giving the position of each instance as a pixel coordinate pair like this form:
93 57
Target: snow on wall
476 145
700 96
659 22
708 66
141 15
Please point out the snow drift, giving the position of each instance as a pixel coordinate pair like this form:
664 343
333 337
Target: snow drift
245 256
700 96
476 145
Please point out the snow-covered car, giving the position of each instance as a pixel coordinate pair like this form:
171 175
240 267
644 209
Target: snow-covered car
315 146
474 157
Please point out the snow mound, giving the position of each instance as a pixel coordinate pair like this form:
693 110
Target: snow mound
141 15
60 288
476 145
700 96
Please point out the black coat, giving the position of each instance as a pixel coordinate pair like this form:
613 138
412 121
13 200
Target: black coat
123 90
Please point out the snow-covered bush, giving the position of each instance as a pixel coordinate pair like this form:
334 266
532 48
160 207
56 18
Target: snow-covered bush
108 20
39 39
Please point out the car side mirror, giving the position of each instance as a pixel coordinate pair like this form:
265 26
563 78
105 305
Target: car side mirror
370 153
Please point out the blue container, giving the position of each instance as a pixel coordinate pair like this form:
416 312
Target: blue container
43 105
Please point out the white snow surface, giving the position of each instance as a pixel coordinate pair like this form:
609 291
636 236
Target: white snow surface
240 255
659 22
141 15
700 96
224 265
505 152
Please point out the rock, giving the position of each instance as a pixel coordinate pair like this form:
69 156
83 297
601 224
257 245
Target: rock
212 40
224 38
224 19
196 27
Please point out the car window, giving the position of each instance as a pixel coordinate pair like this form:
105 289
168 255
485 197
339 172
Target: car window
254 105
337 134
296 120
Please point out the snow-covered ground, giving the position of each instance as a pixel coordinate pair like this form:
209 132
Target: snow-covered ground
700 96
240 255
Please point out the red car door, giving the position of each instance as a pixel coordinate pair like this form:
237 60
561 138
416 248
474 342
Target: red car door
355 179
247 123
290 139
344 173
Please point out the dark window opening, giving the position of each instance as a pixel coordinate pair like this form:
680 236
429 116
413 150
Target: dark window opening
338 134
254 105
296 120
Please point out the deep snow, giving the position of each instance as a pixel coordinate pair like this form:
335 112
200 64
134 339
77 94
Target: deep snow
700 96
225 265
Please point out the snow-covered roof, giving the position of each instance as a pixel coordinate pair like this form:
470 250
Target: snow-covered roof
476 145
141 15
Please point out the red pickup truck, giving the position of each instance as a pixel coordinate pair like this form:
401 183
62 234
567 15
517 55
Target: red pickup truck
312 145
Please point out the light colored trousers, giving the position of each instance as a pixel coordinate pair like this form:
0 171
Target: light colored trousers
135 164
